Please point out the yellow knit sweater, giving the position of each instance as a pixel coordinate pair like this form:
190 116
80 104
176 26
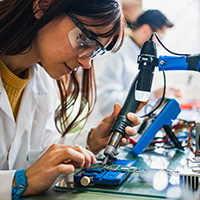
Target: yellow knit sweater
14 86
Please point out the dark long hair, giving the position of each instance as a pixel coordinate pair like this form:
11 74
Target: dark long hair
18 28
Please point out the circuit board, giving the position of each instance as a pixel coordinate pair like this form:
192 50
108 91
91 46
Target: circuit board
112 174
141 179
132 169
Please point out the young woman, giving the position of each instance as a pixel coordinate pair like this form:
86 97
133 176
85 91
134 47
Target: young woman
42 41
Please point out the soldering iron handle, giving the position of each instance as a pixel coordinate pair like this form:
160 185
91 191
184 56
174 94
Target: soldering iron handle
142 82
130 105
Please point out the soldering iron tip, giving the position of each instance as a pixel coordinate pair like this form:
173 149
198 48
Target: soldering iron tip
105 161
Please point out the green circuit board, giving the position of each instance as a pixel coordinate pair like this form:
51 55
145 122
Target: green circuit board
131 169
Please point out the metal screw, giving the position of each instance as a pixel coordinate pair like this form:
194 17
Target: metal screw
162 62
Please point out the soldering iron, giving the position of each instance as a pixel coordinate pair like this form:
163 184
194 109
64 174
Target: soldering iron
141 87
139 92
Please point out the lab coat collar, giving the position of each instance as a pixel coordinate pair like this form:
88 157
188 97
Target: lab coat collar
4 101
37 88
37 83
29 100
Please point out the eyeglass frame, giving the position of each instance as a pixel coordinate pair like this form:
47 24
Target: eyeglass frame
86 32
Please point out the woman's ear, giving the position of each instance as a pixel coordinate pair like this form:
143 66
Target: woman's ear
39 7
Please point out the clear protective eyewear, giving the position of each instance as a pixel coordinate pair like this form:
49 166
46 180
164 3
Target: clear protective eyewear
83 42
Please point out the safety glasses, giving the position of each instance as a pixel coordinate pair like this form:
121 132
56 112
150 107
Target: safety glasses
83 42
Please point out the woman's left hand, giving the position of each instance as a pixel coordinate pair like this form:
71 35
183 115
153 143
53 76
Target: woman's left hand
98 137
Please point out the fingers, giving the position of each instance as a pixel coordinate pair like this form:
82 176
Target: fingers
75 155
57 160
111 117
133 118
124 141
130 131
89 157
71 156
65 169
116 110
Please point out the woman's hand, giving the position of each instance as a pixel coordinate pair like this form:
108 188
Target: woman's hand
98 137
57 160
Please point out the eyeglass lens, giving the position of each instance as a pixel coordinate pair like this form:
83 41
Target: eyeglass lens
82 45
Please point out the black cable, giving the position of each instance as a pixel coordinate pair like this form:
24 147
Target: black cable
157 37
164 77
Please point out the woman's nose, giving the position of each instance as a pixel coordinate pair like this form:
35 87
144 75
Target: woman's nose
85 62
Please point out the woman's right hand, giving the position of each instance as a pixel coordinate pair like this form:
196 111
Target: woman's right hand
57 160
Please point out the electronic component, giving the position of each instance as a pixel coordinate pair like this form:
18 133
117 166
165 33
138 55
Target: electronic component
189 177
112 174
166 112
197 138
189 181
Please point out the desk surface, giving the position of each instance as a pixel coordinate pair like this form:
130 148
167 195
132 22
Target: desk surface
159 159
73 195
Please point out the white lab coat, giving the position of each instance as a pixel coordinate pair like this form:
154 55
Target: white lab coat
23 141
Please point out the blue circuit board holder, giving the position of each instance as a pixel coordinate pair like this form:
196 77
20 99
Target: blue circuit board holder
165 115
102 176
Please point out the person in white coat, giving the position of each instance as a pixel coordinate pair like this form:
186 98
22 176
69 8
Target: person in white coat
42 43
116 72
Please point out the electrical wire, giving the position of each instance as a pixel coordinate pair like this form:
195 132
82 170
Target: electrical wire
164 76
157 37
